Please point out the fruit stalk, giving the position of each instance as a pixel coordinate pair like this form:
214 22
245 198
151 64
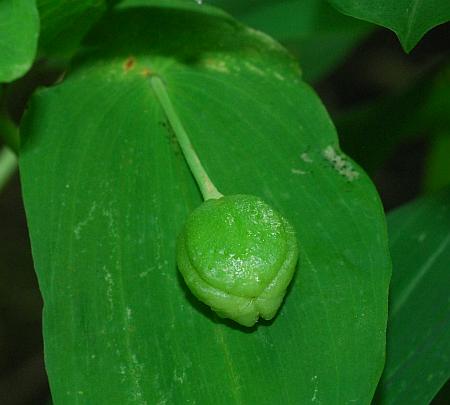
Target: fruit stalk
206 186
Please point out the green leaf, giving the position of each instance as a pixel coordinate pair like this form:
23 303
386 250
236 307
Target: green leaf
19 28
188 5
65 22
8 165
316 33
107 192
437 165
9 132
418 340
409 19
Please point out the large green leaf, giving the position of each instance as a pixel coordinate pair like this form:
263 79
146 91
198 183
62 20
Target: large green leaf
107 190
409 19
320 36
418 346
65 22
19 28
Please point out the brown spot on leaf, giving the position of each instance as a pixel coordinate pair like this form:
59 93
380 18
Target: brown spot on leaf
129 63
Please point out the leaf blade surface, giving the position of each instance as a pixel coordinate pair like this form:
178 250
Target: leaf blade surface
19 29
117 191
418 334
409 19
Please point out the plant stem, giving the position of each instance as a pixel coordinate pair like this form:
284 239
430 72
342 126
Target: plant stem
9 133
8 165
207 188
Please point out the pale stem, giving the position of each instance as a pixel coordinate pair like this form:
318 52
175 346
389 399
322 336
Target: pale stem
8 165
9 133
207 188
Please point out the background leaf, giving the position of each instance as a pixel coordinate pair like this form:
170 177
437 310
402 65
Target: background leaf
8 164
418 340
65 22
19 28
409 19
107 190
437 174
316 33
188 5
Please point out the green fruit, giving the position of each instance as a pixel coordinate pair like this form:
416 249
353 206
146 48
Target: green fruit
238 256
236 253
